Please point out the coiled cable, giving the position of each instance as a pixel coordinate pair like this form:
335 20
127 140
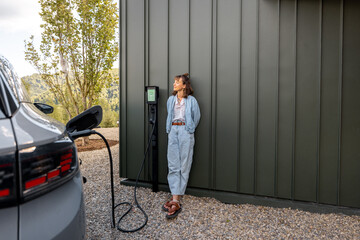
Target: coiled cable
88 132
136 202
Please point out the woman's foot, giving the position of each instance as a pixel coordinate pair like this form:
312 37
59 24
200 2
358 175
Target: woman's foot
174 210
166 206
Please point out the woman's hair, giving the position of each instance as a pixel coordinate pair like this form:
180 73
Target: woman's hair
186 80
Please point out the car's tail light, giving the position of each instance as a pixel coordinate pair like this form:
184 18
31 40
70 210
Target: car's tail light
7 178
46 167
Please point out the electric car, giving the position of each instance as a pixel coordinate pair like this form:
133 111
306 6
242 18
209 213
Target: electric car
41 193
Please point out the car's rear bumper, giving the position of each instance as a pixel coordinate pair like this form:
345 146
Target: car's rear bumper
8 223
59 214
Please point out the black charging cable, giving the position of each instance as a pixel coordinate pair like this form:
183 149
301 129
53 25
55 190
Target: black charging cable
136 202
90 132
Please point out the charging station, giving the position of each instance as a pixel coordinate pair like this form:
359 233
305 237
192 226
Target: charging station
152 96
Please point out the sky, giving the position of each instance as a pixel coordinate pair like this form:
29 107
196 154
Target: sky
19 19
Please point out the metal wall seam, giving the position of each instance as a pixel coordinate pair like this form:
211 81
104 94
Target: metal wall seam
340 87
120 74
189 37
120 62
125 85
239 109
277 109
146 45
213 94
319 103
125 81
256 96
147 173
168 48
294 117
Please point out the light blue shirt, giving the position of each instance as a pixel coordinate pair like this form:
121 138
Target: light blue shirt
192 113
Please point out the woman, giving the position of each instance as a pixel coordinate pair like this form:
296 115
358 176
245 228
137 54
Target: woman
182 120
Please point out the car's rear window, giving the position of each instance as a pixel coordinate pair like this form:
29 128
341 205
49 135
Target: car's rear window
13 80
8 77
7 95
2 103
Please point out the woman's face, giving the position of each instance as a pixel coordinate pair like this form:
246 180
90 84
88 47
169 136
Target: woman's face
178 85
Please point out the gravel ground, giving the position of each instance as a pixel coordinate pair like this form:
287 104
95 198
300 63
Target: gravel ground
201 218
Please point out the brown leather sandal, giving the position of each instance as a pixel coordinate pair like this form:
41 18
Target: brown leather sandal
174 210
167 204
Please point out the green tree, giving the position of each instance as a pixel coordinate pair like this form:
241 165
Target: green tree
109 117
78 48
27 85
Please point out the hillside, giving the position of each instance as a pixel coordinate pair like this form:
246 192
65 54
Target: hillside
109 98
35 86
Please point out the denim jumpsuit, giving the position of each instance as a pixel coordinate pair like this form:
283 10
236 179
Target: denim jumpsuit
181 144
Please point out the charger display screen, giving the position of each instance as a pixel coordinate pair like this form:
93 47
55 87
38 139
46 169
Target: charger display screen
151 95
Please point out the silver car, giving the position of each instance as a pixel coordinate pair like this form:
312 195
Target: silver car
41 193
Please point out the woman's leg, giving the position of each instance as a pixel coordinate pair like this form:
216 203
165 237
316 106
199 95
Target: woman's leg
180 154
186 145
174 161
186 141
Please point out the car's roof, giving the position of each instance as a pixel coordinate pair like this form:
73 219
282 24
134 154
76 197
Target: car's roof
13 80
6 63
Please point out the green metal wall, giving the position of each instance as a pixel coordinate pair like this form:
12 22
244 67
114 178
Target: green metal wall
278 85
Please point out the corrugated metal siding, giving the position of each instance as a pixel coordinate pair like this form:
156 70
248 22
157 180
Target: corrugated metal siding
277 83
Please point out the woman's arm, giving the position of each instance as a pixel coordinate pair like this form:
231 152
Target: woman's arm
196 112
168 104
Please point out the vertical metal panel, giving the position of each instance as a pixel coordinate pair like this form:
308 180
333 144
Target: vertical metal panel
330 102
135 84
213 93
200 65
147 165
307 100
286 97
122 85
239 111
350 150
256 99
247 95
178 38
277 103
341 47
319 101
294 115
267 97
158 75
228 76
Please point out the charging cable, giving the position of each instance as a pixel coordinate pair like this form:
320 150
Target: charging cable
88 132
136 202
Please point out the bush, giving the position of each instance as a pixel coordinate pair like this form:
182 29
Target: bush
110 119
